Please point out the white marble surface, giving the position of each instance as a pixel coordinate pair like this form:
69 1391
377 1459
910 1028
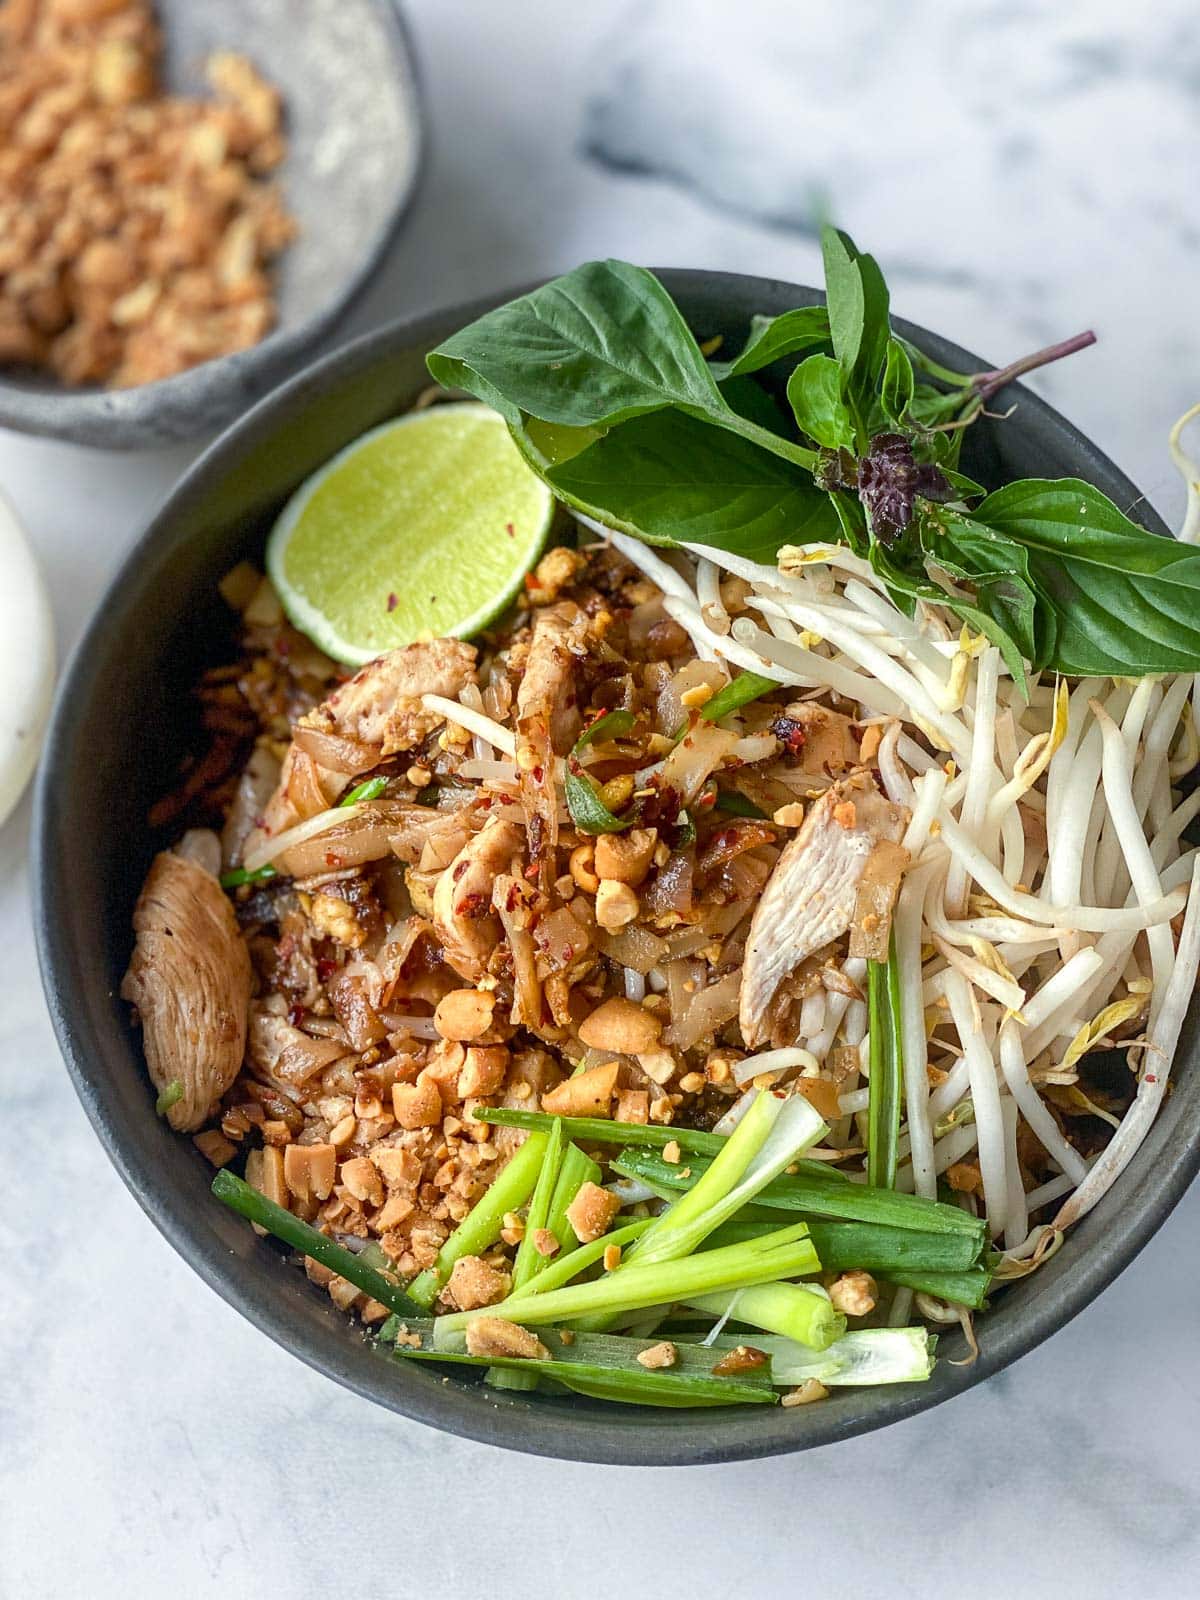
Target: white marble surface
1021 170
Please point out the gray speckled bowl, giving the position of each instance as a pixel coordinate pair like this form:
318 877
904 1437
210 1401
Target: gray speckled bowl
117 733
355 145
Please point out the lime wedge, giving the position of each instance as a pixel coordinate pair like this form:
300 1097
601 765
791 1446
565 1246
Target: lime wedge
424 527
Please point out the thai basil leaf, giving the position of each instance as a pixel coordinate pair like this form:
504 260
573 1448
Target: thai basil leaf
859 322
852 519
915 586
1113 599
897 389
998 570
750 400
588 811
610 726
814 392
599 346
668 477
772 338
845 299
967 488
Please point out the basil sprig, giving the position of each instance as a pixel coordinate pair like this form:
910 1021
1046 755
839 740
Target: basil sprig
609 397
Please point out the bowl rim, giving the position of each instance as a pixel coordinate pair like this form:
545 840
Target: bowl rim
580 1433
92 416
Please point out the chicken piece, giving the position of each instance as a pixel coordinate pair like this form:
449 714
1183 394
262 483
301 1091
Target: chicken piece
810 897
381 706
375 714
548 721
189 977
463 918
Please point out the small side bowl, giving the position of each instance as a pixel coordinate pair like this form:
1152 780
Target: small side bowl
355 148
117 733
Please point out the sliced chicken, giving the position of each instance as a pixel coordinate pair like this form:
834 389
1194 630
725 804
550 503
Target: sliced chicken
463 919
811 896
375 714
189 977
380 706
548 719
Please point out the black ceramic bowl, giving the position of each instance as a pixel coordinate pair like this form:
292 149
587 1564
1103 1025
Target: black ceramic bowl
355 147
119 729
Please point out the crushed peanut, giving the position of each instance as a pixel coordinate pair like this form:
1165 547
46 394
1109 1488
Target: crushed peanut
804 1395
591 1212
616 905
136 228
658 1356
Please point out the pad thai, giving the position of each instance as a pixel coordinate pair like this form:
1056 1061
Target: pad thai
707 982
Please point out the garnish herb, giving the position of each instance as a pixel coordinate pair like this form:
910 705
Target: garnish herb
170 1096
588 810
236 876
608 395
370 789
239 1196
737 693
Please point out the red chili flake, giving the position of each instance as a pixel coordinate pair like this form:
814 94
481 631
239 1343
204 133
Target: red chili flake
707 800
392 602
326 967
538 774
791 733
510 530
512 899
296 1016
532 871
459 870
282 647
530 581
1149 1078
473 905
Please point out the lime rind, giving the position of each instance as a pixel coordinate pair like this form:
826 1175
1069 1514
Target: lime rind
431 519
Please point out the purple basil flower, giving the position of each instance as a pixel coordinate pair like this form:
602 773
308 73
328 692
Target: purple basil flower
889 480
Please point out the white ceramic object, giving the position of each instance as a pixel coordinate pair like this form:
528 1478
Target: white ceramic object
26 659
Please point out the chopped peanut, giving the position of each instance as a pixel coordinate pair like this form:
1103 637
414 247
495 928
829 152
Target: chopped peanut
497 1338
625 857
587 1095
483 1071
309 1170
473 1283
417 1105
464 1013
544 1242
362 1179
621 1026
811 1389
633 1105
671 1152
582 864
658 1356
591 1212
612 1257
616 905
789 816
853 1294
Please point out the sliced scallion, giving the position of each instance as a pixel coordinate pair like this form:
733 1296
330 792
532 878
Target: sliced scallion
369 789
737 692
